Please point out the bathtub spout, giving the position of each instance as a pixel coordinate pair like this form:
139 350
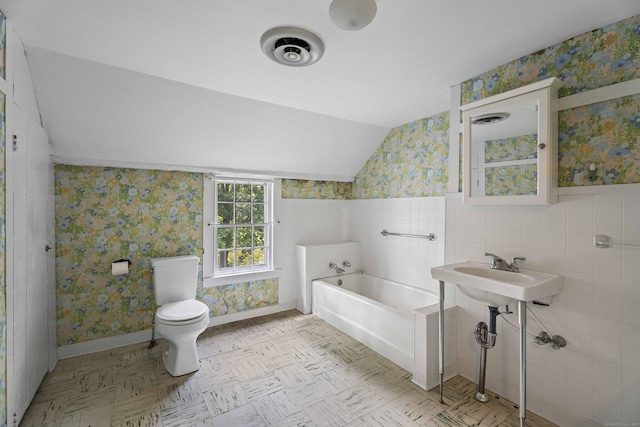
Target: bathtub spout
334 266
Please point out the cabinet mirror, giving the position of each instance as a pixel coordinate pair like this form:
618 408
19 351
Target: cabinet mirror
510 147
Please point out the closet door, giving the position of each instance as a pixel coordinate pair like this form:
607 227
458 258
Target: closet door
16 252
38 282
30 288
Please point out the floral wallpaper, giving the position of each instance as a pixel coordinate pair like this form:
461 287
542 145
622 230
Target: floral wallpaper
518 180
512 148
239 297
3 258
605 133
105 214
309 189
598 58
411 162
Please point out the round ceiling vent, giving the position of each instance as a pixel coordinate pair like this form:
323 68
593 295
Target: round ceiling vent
292 46
487 119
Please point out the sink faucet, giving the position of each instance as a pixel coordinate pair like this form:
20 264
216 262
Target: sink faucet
498 263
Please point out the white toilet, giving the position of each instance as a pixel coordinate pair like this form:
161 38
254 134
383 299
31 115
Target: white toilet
180 318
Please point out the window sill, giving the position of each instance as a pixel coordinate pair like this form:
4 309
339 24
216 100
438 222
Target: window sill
212 282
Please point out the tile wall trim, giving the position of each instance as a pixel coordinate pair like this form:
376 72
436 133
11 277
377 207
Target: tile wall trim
586 190
605 93
599 189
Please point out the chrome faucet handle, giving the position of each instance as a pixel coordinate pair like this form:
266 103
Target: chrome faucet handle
514 263
494 256
346 264
495 259
333 265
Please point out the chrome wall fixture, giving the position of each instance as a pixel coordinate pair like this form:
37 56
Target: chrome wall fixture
602 241
429 236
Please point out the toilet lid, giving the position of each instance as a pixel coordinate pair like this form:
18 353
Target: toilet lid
181 310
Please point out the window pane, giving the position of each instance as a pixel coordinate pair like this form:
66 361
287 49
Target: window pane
259 256
225 192
225 213
241 233
243 192
258 236
258 213
244 237
225 238
225 259
243 213
244 257
258 193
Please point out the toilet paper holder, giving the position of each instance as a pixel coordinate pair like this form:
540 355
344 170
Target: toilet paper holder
119 268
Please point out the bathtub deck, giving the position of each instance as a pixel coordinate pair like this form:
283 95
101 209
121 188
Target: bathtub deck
286 369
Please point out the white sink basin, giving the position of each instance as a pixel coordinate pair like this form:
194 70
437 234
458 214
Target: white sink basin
497 287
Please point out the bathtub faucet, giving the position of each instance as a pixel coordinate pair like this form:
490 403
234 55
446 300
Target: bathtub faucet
335 267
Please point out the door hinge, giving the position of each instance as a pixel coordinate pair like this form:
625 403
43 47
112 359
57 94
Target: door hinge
15 142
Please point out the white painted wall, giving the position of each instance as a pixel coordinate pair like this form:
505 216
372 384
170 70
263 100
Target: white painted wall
597 376
308 221
95 112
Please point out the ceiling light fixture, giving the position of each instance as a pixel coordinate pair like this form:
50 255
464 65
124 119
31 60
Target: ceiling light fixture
352 14
292 46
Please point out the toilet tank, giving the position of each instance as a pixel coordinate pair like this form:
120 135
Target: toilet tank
175 278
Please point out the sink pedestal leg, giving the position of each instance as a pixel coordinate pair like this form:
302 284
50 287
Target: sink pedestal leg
441 341
522 321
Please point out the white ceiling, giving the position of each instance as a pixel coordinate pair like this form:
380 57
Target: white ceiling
188 79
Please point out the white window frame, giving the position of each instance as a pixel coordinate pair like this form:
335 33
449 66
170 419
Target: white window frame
211 276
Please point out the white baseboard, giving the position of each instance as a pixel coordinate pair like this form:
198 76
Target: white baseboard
80 349
243 315
87 347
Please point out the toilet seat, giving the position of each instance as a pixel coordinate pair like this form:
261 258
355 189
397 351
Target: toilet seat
182 312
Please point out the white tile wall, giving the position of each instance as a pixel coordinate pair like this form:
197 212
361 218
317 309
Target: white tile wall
402 259
597 376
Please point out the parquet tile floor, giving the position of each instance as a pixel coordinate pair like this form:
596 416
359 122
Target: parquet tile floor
285 369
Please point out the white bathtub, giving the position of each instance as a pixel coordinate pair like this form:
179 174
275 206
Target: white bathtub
396 320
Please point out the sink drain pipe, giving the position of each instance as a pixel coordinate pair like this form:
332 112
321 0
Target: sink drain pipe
486 337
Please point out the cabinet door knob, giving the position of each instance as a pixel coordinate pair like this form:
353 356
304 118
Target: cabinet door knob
542 146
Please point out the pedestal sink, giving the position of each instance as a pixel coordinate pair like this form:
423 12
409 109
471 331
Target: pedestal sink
497 288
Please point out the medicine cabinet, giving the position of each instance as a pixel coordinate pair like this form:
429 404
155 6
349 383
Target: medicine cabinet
510 147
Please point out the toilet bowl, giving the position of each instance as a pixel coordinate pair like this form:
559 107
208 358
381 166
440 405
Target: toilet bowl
180 318
175 322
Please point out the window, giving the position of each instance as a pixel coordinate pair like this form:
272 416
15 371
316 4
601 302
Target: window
240 229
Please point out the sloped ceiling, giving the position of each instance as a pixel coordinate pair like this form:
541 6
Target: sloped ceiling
185 82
